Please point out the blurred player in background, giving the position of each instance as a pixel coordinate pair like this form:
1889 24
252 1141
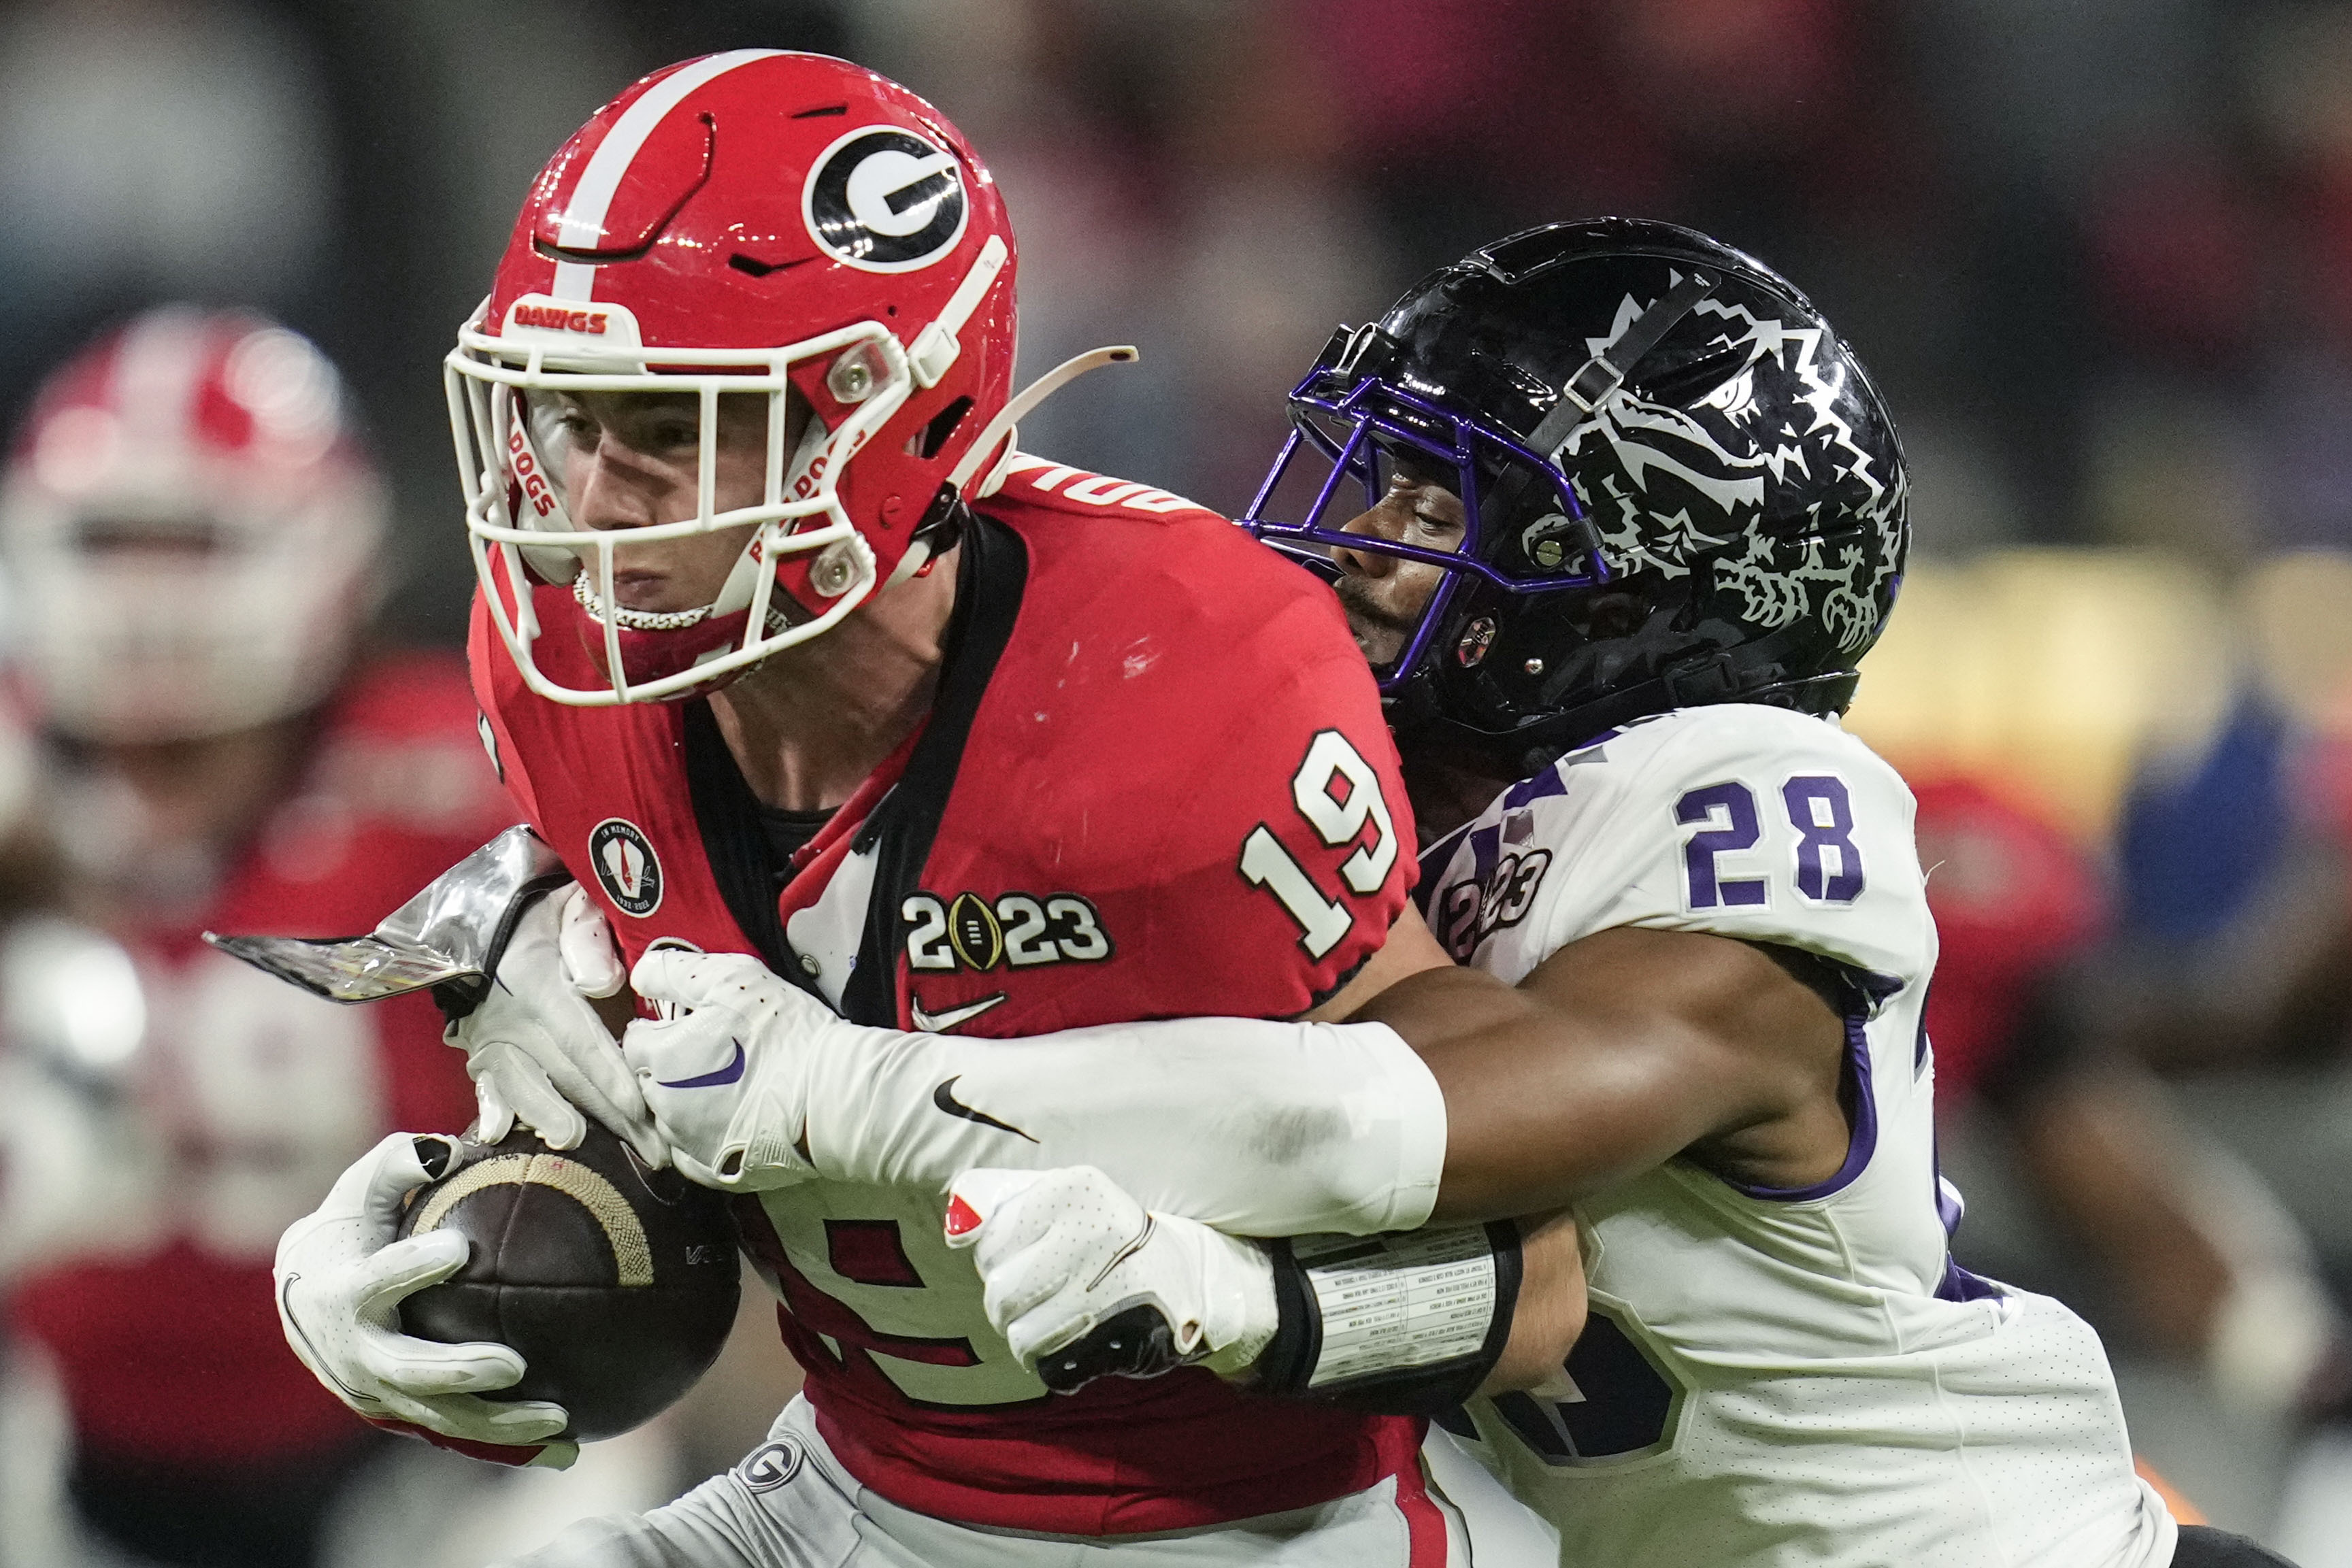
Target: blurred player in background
2231 948
191 536
2201 1256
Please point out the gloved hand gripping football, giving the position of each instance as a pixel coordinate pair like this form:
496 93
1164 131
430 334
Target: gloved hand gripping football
341 1278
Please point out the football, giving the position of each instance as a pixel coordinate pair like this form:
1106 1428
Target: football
616 1283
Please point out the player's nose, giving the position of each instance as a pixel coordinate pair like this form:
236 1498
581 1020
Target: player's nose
612 488
1363 563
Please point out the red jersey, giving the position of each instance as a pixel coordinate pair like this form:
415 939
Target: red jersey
170 1347
2013 900
1155 781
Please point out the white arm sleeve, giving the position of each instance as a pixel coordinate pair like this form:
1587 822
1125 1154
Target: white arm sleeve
1258 1128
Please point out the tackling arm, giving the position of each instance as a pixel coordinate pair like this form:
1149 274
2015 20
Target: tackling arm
1257 1127
1622 1050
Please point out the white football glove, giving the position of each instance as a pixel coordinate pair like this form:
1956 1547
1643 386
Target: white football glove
537 1052
726 1074
342 1277
1062 1253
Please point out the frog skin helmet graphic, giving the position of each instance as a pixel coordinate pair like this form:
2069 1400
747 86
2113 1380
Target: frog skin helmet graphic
1680 486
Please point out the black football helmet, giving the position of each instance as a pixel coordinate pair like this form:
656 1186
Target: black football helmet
1680 486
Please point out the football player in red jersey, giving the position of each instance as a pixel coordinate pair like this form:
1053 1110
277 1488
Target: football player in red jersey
190 535
794 660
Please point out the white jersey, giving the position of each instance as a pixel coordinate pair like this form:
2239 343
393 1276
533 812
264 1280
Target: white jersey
1784 1377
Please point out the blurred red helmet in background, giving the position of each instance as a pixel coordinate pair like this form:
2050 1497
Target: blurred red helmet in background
190 530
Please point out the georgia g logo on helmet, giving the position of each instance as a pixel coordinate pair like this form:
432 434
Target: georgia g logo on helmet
882 199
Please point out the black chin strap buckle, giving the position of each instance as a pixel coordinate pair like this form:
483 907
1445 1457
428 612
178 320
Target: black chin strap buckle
1703 682
942 529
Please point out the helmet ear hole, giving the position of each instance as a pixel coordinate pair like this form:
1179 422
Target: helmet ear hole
935 434
1616 614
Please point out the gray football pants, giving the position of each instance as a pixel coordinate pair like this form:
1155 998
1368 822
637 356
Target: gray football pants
789 1504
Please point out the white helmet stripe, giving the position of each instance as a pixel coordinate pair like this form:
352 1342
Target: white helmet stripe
935 348
582 223
157 371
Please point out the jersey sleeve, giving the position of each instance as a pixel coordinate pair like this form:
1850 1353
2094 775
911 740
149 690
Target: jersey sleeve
1294 850
1754 823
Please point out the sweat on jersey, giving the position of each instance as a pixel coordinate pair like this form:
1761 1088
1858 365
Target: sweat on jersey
1774 1378
1155 782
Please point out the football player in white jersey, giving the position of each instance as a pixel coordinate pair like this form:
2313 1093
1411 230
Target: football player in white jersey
1632 512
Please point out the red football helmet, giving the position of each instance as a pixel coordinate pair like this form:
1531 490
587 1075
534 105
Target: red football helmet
190 530
752 222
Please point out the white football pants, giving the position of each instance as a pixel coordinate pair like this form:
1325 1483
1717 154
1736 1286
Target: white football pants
789 1504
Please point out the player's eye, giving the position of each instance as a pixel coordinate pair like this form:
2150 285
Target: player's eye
668 432
554 419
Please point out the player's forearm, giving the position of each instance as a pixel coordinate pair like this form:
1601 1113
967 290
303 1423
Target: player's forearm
1548 1315
1274 1129
1541 1108
1619 1053
1256 1128
1519 1099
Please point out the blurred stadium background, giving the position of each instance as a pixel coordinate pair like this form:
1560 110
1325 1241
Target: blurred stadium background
2099 254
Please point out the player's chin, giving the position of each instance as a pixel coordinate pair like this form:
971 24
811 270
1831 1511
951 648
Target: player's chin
1378 637
1380 644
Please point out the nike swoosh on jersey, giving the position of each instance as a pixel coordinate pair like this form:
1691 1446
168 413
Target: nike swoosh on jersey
940 1024
730 1073
944 1098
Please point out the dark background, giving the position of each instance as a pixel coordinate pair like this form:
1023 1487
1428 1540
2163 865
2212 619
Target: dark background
2098 253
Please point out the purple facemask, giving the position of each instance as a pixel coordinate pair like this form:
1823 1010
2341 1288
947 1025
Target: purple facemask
1362 432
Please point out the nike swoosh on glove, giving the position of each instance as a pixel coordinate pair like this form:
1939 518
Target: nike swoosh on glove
1066 1256
726 1076
341 1278
537 1052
